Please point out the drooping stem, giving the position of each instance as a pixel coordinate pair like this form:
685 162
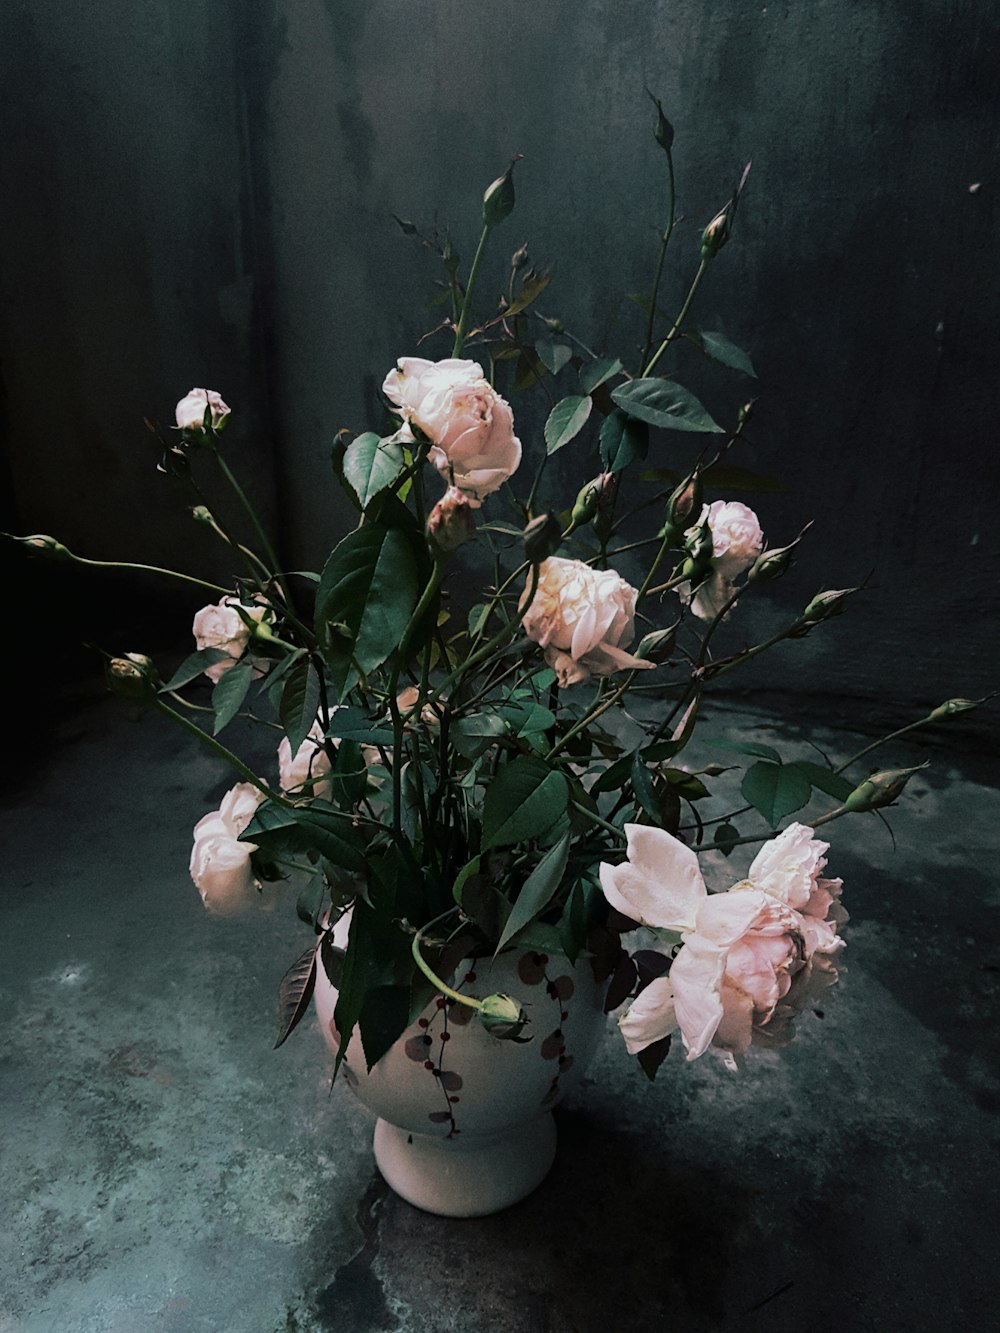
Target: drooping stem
431 976
222 752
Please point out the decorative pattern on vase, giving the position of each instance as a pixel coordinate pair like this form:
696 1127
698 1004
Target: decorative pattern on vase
532 969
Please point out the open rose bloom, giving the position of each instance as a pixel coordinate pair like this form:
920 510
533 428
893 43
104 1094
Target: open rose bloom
225 627
220 863
750 959
471 428
584 618
737 541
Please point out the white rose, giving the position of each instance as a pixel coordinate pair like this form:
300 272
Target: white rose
223 626
190 411
584 619
310 763
737 541
220 864
471 428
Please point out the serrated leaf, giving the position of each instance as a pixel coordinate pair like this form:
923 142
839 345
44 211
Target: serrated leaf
299 702
537 891
825 780
726 353
229 693
623 439
319 827
552 354
596 373
664 403
369 586
525 799
566 420
294 993
776 790
194 666
371 464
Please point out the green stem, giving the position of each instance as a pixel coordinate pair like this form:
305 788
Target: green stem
251 513
219 749
591 716
145 569
892 735
432 977
664 242
463 319
652 363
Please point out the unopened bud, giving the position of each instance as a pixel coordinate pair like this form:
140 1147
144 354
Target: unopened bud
825 605
745 412
503 1017
202 514
132 676
542 537
605 515
683 508
881 789
46 546
664 131
716 234
771 564
585 506
451 522
498 201
519 258
657 645
952 706
553 325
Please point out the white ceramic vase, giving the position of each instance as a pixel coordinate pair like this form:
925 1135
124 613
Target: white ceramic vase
465 1123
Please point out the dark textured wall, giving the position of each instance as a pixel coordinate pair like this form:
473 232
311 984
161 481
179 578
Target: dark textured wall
201 193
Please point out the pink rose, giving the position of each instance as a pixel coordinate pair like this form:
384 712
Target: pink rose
220 863
737 541
584 619
190 411
309 765
471 428
223 626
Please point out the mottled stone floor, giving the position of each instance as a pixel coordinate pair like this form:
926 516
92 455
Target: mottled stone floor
164 1171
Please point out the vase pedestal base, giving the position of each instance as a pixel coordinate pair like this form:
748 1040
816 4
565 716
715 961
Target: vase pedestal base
466 1177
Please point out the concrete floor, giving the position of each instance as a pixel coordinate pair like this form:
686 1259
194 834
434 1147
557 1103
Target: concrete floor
165 1171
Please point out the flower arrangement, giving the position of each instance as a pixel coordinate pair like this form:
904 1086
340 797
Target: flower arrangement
459 771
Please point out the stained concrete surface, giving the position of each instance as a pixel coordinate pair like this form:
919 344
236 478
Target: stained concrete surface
165 1171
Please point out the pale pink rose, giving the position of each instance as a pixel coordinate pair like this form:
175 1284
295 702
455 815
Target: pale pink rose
190 411
583 618
310 764
659 884
788 868
471 428
737 541
223 626
220 864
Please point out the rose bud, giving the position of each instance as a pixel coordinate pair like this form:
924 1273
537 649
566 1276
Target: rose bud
451 522
503 1017
589 498
202 514
826 604
132 676
683 508
519 258
771 564
716 234
952 706
201 409
46 546
882 788
498 201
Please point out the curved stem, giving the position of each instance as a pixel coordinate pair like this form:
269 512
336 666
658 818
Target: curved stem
682 316
431 976
219 749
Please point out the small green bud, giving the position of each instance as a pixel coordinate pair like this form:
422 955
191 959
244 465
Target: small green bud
664 132
202 514
541 538
657 645
683 508
771 564
952 706
745 412
826 604
716 234
881 789
553 325
605 515
498 201
585 505
519 258
503 1017
46 546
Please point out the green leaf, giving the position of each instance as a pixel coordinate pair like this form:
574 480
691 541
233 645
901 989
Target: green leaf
776 790
566 419
642 785
574 922
596 373
299 702
371 464
354 724
623 439
552 354
470 868
473 735
825 780
726 353
532 287
229 693
726 836
318 826
294 993
664 403
367 593
537 891
524 800
312 899
748 747
194 666
384 1016
527 719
